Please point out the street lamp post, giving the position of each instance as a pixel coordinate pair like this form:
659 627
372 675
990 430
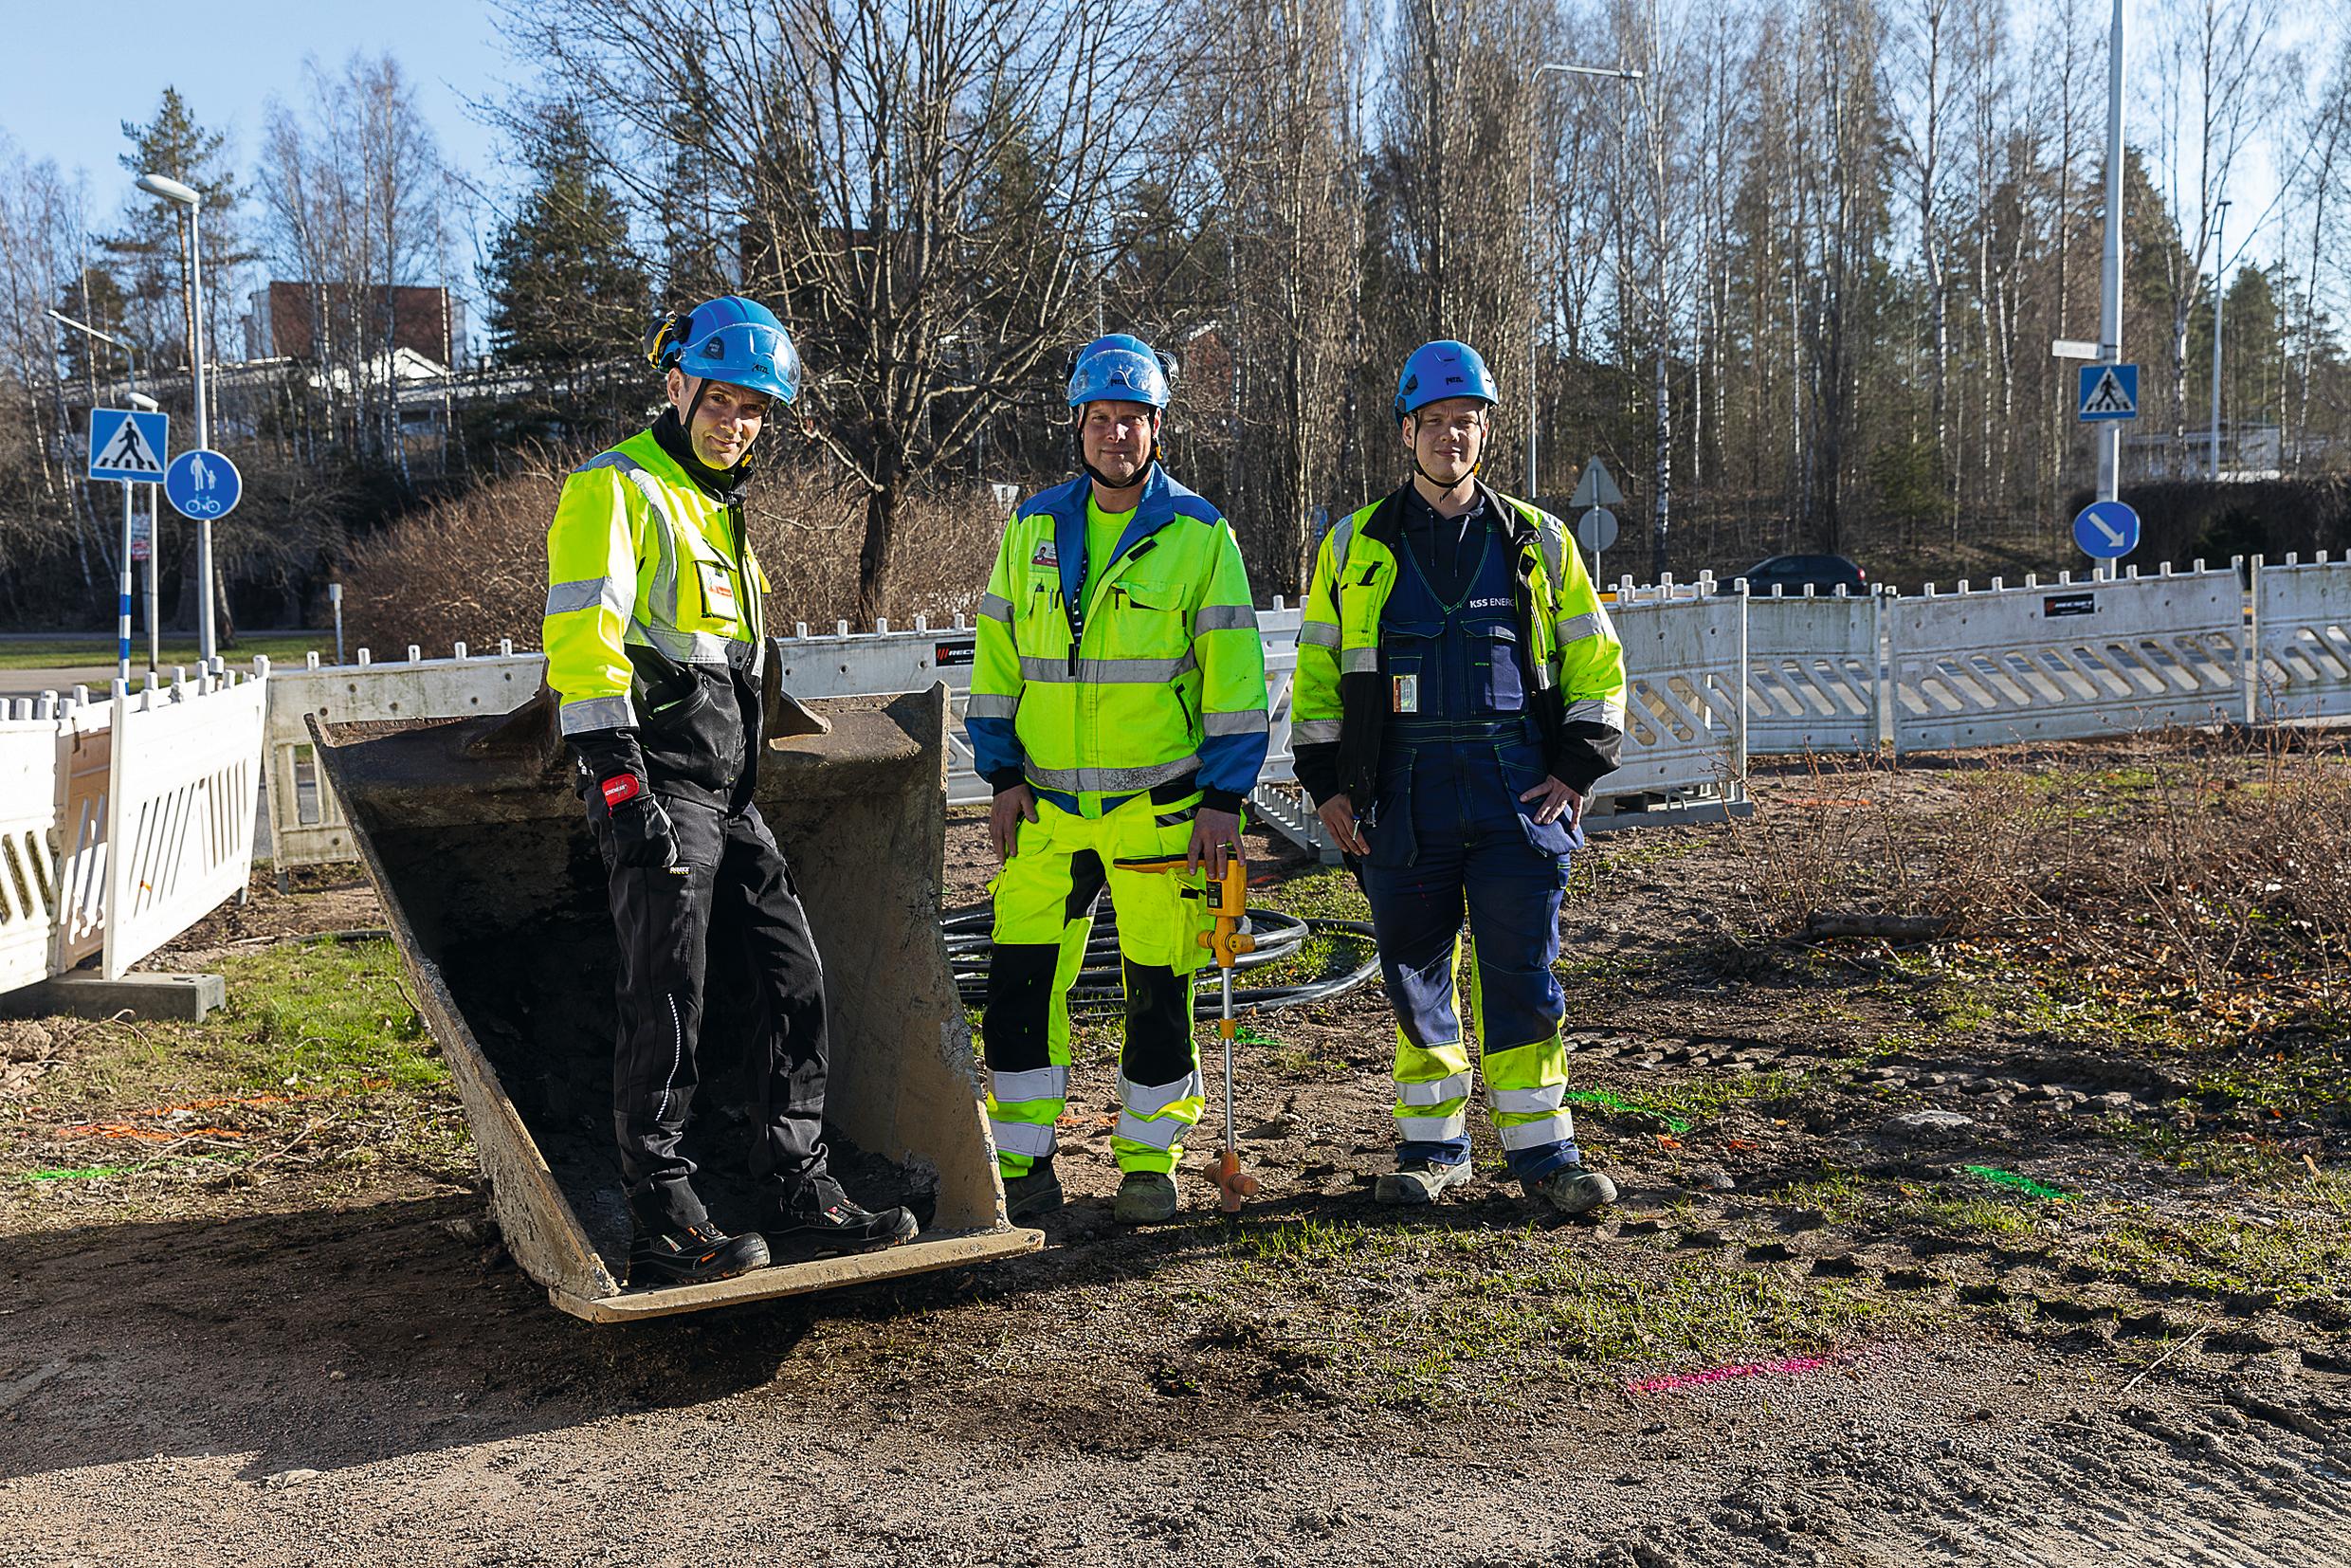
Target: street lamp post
2220 291
193 199
2110 260
1534 313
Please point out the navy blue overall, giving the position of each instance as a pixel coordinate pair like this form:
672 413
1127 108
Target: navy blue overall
1447 833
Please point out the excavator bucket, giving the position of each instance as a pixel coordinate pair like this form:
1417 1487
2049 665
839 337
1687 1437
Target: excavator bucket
496 895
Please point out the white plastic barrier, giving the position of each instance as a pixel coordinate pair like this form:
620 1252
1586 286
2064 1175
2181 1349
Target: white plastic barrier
84 779
180 809
122 823
882 662
2302 614
1686 711
306 822
1690 742
27 874
1814 676
2046 662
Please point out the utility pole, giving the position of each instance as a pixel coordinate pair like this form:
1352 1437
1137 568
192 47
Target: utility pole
193 199
2220 294
2110 274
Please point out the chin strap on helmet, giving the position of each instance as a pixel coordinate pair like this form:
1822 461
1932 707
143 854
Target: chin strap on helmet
1104 480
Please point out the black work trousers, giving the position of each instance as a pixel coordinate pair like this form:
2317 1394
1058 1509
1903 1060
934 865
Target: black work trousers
731 876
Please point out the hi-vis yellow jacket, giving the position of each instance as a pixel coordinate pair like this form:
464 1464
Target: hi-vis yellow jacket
653 617
1340 700
1156 679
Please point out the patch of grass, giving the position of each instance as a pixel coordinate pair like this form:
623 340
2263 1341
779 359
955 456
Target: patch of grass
1970 1215
1701 1099
312 1016
317 1064
2236 1158
1317 1240
1327 893
1967 988
2293 1256
1436 1317
1841 1196
66 652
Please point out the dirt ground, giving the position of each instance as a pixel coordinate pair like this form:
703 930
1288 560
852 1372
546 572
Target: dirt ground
2002 1244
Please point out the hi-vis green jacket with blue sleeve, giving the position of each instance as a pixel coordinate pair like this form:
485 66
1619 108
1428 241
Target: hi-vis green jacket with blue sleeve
1339 704
1156 679
653 625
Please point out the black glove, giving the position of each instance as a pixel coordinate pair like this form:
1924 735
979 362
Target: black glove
642 836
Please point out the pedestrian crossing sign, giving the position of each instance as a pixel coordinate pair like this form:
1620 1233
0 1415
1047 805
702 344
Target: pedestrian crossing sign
2108 391
128 446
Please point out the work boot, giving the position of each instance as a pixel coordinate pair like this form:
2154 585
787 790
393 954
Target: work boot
820 1220
1414 1182
1145 1198
1572 1189
1037 1191
690 1255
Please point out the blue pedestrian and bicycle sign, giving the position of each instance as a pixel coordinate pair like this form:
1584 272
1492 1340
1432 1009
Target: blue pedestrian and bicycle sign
203 485
2107 392
2106 529
128 446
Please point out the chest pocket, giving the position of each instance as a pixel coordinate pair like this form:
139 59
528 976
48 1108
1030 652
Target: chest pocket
1412 655
721 605
1151 620
1042 619
1497 668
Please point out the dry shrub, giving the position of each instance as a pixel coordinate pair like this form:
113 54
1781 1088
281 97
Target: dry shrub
473 569
808 527
2207 869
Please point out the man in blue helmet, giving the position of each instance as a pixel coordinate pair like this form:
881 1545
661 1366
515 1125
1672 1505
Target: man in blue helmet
1459 691
1118 708
656 644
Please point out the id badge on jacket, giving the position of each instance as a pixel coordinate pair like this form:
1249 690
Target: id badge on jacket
717 591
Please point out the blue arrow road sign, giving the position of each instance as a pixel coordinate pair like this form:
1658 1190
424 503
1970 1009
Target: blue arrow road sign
2107 392
203 485
128 446
2106 529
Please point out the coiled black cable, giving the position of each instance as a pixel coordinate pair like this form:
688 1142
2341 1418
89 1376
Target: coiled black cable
1101 989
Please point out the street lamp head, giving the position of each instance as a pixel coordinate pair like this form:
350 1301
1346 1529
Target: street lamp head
143 403
171 190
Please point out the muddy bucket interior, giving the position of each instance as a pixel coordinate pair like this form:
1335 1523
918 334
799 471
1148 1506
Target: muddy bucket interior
496 895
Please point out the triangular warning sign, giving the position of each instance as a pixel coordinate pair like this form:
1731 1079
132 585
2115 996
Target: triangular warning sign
2108 396
129 450
1596 488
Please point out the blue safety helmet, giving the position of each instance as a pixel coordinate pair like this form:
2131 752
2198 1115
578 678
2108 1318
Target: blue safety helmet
1441 369
1118 369
731 339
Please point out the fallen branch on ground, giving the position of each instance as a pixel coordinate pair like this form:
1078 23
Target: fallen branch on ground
1898 928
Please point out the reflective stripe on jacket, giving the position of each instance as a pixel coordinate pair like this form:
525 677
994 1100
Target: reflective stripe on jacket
653 618
1340 699
1156 676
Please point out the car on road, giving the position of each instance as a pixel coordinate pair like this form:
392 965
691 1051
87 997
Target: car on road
1794 574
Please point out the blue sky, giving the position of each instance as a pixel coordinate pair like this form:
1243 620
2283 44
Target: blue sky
78 71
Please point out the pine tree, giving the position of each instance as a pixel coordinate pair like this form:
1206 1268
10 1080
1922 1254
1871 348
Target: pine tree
151 248
568 296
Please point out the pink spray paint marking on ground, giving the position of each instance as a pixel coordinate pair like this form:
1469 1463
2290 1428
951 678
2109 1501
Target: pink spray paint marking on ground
1794 1367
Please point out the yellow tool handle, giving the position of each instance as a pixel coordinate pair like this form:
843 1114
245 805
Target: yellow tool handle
1228 901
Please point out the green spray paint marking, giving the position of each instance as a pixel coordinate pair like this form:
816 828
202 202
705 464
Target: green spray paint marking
81 1173
1601 1097
2022 1183
1248 1036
